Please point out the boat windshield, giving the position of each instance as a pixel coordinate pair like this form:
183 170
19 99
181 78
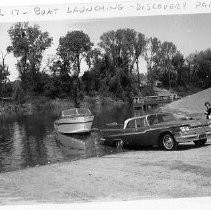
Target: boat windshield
69 112
75 112
82 111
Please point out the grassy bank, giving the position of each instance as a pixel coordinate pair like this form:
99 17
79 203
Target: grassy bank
41 103
38 104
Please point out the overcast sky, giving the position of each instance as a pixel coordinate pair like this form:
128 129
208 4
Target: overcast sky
188 32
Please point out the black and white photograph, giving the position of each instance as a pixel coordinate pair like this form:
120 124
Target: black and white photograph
105 109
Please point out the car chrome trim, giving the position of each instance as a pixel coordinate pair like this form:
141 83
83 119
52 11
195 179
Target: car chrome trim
188 138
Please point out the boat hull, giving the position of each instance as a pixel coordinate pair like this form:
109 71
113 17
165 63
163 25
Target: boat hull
71 142
70 125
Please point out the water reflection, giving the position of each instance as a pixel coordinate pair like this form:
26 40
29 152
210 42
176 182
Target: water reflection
78 146
34 148
26 140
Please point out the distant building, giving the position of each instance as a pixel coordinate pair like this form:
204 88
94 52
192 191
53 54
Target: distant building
158 83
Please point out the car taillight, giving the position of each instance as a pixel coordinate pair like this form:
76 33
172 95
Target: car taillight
184 129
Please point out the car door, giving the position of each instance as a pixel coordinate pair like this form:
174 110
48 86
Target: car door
134 133
152 130
128 132
139 137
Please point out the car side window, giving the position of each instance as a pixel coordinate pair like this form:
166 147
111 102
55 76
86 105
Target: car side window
140 122
165 117
131 124
160 118
152 119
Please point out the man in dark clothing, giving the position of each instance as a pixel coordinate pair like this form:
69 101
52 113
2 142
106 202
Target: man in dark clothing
208 111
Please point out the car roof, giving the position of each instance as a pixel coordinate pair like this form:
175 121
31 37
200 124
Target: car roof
146 115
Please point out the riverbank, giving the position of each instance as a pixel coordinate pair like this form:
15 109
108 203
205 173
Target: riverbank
41 103
143 174
55 105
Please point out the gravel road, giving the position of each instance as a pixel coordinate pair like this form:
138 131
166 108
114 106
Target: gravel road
145 173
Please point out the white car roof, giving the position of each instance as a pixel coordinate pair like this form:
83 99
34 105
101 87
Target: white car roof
143 116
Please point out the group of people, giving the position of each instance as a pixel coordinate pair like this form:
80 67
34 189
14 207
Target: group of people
208 111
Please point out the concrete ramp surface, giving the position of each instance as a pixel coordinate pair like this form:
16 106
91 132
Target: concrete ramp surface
191 104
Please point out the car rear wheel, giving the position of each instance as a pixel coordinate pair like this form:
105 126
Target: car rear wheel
168 142
200 142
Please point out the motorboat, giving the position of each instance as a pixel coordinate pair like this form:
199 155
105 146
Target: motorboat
76 120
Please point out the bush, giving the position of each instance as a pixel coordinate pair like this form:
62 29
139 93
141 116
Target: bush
147 91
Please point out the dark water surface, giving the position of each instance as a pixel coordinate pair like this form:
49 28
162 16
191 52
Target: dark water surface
30 140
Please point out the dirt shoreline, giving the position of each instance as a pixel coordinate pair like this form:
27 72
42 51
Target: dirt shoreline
148 173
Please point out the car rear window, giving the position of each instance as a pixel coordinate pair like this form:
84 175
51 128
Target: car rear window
152 119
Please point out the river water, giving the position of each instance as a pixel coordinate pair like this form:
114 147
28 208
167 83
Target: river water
29 140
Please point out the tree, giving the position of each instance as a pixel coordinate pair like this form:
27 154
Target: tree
73 47
151 57
4 73
18 93
28 44
108 44
119 46
94 57
200 65
164 60
178 64
139 49
123 48
192 66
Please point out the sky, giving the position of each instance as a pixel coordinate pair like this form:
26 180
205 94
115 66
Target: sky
189 33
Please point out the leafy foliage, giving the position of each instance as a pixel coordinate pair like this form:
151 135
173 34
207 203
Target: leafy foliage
28 44
73 47
200 68
112 69
4 73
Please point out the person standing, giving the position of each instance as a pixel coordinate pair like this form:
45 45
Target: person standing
208 111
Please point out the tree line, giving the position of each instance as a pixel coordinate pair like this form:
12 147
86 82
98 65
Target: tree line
113 66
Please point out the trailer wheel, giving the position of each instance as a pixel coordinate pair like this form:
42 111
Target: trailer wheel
119 144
